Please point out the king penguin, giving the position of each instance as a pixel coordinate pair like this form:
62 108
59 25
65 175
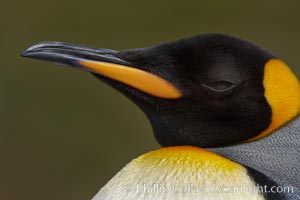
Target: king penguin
224 110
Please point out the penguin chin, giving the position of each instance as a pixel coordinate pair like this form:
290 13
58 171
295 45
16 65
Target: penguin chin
203 128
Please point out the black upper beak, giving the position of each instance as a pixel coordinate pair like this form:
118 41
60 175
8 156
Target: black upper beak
70 54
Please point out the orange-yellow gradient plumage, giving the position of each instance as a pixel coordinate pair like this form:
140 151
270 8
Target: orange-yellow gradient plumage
177 173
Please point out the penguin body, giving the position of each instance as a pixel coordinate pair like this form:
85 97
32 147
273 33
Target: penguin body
209 91
266 169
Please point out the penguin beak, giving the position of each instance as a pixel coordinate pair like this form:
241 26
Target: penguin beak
104 62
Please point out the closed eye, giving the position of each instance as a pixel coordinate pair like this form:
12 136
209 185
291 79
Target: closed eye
219 86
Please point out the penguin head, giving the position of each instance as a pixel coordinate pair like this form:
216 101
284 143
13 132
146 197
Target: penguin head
207 90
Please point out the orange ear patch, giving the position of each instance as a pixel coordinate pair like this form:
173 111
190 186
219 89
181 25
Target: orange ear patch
282 91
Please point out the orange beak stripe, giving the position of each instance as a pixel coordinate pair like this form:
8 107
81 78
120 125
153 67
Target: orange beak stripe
136 78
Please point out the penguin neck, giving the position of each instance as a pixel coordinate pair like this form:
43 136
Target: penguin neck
276 156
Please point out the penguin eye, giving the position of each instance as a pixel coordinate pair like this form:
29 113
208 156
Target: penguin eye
219 86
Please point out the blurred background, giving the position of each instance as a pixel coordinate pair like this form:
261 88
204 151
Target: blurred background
64 134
